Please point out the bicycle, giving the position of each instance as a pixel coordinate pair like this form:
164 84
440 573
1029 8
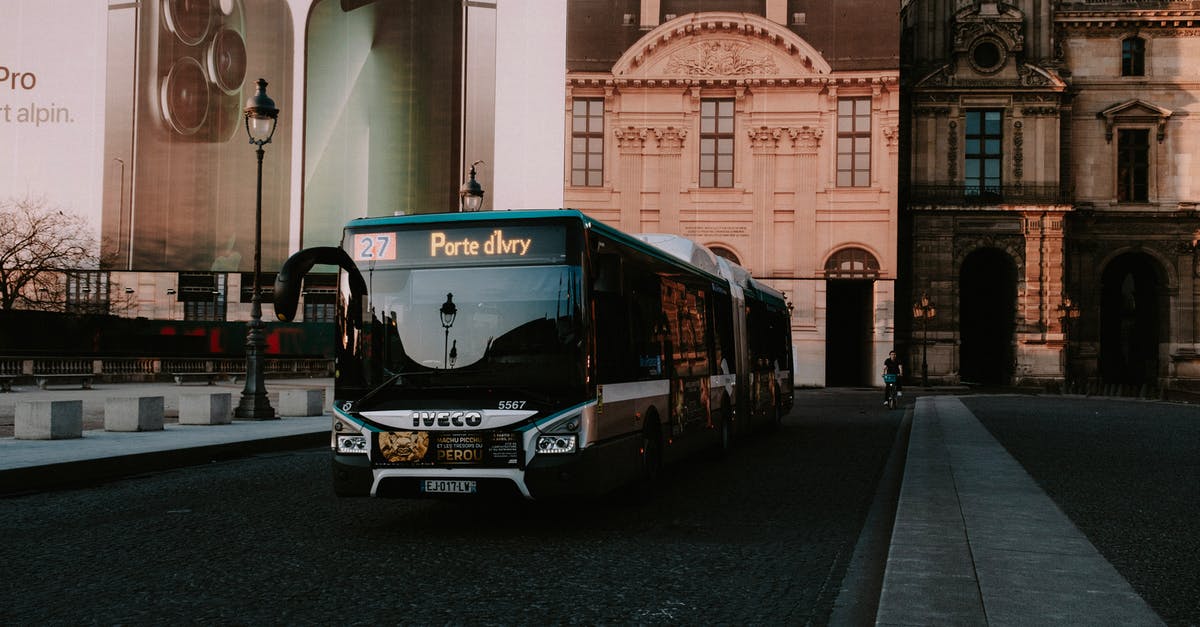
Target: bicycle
889 382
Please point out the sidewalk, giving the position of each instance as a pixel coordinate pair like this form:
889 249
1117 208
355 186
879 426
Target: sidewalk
976 542
27 465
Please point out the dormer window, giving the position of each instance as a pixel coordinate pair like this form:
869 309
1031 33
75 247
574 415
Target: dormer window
1133 56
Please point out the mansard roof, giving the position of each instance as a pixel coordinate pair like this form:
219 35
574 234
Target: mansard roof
720 45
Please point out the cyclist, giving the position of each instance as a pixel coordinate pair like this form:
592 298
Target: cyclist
891 365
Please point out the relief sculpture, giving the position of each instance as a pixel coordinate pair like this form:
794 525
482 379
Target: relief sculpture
720 58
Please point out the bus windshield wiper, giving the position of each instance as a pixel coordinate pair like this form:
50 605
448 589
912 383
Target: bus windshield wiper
387 383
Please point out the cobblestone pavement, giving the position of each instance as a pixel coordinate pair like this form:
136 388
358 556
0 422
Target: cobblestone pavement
761 537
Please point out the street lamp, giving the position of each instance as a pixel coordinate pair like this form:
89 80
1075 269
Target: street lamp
924 310
1068 314
470 195
448 312
260 116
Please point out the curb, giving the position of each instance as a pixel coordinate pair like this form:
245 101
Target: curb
20 481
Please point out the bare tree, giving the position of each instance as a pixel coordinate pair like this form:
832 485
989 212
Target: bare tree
38 244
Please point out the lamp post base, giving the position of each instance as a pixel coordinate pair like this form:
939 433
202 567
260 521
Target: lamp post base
254 404
255 407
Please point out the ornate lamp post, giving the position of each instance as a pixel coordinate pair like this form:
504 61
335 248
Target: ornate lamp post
261 116
924 310
470 195
448 312
1068 314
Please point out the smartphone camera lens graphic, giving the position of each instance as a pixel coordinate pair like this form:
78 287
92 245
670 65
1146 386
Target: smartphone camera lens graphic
189 20
185 96
202 65
227 60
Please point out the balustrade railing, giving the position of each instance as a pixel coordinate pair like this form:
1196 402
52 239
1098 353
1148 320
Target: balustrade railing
985 195
148 368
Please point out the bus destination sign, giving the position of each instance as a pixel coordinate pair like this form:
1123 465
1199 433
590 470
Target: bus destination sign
462 246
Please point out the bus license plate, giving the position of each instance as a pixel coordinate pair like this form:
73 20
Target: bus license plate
448 486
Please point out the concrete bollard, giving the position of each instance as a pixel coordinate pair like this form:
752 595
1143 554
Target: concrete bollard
133 413
206 409
48 420
305 402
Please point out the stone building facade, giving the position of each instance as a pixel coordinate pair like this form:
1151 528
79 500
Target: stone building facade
1050 211
761 131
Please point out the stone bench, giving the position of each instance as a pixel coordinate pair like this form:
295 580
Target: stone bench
82 380
214 408
304 402
206 377
48 420
133 413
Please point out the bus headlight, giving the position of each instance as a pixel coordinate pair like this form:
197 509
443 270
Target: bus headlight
555 444
352 444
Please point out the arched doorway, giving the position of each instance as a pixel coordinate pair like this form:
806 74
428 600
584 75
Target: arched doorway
850 276
1131 322
987 290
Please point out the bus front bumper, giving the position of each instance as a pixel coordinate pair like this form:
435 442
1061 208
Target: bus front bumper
596 470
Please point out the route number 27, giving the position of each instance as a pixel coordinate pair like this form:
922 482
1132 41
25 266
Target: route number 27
374 247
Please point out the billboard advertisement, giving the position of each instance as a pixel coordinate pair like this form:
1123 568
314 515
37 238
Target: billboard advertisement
129 114
180 175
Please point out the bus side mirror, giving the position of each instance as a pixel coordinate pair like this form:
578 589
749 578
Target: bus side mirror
291 277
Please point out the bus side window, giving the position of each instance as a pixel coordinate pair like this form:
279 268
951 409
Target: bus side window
611 316
608 274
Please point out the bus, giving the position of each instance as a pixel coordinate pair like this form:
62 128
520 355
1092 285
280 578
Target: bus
536 353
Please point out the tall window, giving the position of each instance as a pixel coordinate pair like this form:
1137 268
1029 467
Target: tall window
203 295
587 142
87 292
1133 165
716 142
320 297
854 142
1133 57
982 152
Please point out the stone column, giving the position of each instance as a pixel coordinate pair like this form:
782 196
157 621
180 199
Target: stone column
630 142
671 183
806 141
763 143
1039 329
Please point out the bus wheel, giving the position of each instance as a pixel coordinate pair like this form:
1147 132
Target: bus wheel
641 489
776 415
650 460
725 443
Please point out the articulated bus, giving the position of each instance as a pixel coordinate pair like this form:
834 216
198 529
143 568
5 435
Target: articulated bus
537 353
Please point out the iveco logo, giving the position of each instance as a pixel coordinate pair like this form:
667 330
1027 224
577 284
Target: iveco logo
446 418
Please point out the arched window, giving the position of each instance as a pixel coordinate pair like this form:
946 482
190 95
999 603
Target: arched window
852 263
1133 56
725 253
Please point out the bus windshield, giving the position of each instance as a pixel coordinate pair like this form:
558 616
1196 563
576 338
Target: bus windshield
480 326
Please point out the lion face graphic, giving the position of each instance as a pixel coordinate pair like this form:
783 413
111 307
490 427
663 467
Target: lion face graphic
403 446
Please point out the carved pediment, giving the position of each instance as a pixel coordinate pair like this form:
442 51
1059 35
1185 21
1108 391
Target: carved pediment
996 19
721 58
1135 111
720 45
1027 75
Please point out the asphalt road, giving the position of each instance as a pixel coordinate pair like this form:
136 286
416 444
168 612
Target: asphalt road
1127 473
763 536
